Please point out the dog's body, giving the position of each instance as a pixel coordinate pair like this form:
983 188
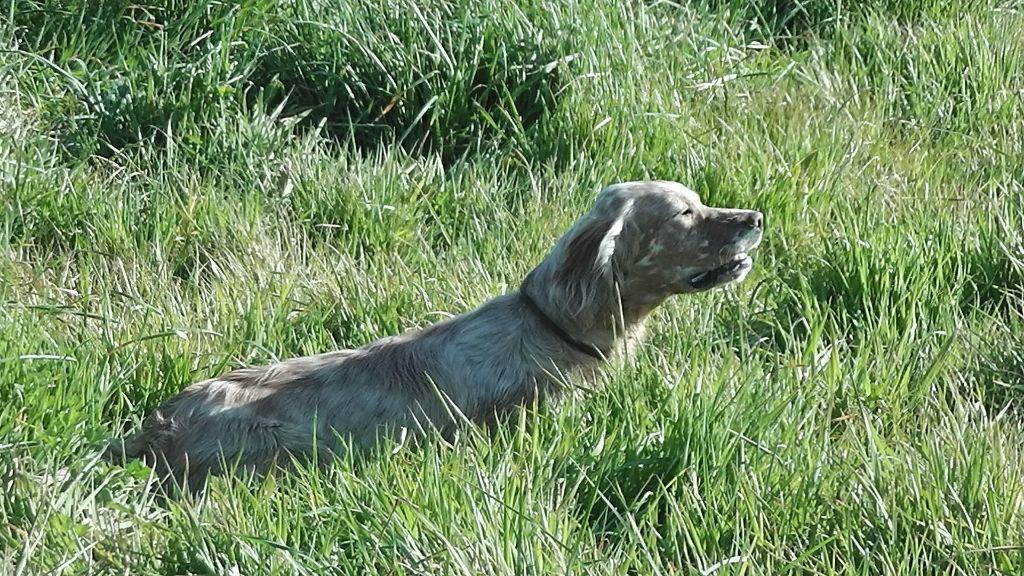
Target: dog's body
641 243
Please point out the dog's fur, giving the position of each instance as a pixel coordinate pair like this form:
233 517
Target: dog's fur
640 243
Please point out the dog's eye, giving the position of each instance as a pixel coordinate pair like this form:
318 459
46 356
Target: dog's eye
685 211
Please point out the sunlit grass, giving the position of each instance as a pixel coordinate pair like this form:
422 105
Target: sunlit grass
192 187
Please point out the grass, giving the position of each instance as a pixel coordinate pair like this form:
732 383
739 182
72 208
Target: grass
194 186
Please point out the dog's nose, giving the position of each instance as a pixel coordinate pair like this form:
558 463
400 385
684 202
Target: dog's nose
755 219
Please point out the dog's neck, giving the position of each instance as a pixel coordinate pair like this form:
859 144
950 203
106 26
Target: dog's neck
555 328
609 325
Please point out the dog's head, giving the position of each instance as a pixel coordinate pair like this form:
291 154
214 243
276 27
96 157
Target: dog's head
653 239
679 242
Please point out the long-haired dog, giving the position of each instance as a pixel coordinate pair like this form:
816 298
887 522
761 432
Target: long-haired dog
640 243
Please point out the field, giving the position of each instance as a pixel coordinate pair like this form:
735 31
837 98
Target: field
190 187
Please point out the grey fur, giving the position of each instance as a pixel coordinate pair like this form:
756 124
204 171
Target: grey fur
639 244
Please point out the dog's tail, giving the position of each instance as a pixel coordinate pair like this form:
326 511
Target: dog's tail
141 444
120 451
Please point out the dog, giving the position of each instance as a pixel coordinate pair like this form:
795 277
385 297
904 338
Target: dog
586 302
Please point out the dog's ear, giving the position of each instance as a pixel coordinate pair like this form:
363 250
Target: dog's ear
585 271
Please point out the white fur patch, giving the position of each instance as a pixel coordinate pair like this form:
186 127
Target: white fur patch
607 248
648 259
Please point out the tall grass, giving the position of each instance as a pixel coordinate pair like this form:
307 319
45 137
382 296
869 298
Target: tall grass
190 187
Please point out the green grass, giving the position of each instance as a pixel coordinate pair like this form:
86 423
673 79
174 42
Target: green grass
194 186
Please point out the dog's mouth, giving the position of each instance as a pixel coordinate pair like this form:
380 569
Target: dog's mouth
732 271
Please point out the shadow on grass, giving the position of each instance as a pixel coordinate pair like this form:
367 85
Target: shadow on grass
793 24
433 80
998 361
